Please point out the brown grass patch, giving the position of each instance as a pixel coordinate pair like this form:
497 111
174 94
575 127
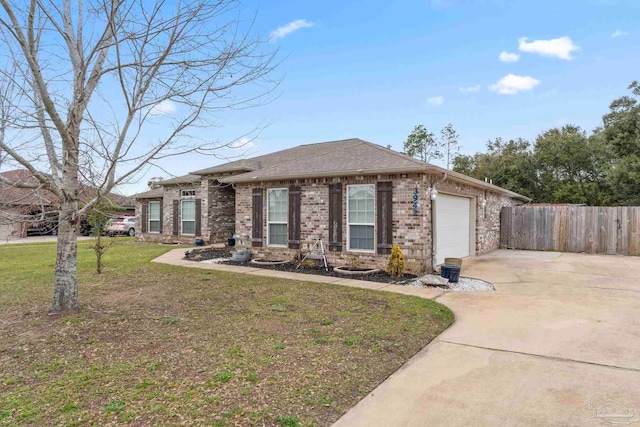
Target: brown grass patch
160 345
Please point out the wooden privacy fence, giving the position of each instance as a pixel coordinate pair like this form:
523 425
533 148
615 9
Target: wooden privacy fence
590 229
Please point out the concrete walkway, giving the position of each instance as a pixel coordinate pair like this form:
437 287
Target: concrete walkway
174 257
557 343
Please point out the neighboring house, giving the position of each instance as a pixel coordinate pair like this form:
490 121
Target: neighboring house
21 209
359 197
34 211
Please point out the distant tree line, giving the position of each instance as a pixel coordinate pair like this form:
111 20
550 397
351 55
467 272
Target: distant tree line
423 144
567 165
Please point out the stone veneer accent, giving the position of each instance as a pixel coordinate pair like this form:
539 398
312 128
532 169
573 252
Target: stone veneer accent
221 215
411 233
217 215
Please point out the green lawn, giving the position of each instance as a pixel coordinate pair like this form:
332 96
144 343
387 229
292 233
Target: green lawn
162 345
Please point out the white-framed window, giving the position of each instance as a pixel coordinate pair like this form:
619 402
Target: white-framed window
187 193
361 204
188 217
277 216
154 217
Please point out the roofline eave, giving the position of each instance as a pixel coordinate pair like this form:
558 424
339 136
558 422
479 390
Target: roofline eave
238 179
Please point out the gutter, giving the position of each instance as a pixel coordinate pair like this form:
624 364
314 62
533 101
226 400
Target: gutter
477 183
328 174
239 179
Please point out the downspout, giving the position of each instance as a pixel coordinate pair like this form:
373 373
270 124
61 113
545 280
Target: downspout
434 236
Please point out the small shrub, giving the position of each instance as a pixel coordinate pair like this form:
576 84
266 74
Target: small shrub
308 263
326 322
170 320
395 262
354 263
279 346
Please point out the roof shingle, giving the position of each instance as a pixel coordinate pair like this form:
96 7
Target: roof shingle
353 156
151 194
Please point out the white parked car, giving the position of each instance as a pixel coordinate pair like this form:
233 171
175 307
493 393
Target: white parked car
125 225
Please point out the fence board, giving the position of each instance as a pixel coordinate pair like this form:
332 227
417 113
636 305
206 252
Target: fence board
634 231
591 229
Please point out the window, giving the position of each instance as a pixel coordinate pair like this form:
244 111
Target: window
188 216
277 213
187 193
361 217
154 217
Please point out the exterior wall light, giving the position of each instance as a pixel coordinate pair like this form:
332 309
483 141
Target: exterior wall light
483 203
433 193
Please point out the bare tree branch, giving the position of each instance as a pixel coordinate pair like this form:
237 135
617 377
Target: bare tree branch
93 92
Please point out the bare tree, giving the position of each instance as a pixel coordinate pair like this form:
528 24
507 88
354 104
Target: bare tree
96 91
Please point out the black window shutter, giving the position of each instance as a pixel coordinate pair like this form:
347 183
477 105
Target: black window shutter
176 217
143 216
161 215
384 217
335 217
294 217
198 217
257 221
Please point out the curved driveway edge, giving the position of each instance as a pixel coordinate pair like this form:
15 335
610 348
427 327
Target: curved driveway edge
557 343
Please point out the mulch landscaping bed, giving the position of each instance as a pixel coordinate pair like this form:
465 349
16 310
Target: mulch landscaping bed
380 276
203 254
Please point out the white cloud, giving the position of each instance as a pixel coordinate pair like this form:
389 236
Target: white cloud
470 89
163 108
512 84
618 33
436 100
285 30
242 144
559 48
508 56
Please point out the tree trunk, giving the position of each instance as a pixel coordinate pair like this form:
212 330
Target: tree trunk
99 250
65 292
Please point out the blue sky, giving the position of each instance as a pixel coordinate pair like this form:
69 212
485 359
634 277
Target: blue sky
375 69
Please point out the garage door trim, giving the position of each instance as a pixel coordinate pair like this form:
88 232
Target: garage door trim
472 224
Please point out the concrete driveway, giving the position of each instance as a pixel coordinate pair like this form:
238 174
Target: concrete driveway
557 343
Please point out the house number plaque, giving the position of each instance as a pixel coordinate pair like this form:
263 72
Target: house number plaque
415 201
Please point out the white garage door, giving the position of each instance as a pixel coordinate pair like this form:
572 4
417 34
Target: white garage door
453 222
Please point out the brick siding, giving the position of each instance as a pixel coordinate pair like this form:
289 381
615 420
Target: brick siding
217 213
411 233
